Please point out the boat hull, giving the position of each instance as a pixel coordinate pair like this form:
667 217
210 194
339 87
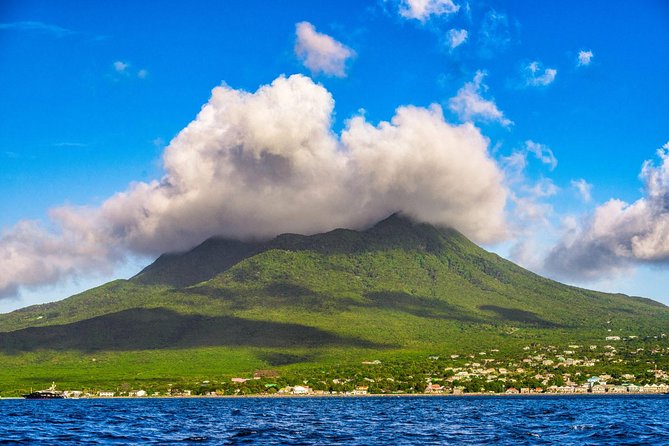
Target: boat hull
43 396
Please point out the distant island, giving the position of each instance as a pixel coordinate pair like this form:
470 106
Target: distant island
400 308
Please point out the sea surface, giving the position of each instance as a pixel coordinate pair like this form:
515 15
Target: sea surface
580 420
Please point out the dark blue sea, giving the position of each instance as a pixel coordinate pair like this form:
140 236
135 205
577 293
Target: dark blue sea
583 420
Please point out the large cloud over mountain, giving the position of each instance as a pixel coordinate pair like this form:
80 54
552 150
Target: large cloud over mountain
253 165
619 234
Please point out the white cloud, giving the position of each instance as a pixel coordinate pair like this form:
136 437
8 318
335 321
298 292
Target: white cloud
37 26
422 10
619 234
319 52
121 67
535 75
514 165
529 207
542 152
495 33
543 188
253 165
530 211
70 144
584 58
456 37
583 188
469 105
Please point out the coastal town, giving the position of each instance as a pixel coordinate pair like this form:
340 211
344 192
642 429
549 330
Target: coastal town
618 365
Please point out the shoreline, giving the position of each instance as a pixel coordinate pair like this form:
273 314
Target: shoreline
380 395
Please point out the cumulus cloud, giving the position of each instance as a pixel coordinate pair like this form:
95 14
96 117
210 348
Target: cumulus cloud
619 234
542 153
583 188
456 37
253 165
469 105
422 10
320 52
535 75
584 58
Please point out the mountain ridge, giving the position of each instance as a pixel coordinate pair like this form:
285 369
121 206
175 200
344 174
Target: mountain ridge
163 270
397 288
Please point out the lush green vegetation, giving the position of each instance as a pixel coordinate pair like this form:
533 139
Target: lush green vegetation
397 291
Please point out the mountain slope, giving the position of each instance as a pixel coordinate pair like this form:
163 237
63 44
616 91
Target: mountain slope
398 287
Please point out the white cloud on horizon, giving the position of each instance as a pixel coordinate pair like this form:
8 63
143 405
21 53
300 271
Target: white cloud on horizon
423 10
253 165
319 52
469 105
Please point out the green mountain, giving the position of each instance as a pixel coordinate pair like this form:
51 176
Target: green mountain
399 289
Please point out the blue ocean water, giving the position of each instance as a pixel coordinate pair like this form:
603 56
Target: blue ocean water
606 420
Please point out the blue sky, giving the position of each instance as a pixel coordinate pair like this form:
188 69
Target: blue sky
570 96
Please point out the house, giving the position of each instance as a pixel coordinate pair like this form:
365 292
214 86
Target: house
593 380
618 389
137 393
512 391
633 388
651 388
301 390
565 389
434 388
598 388
105 394
239 380
360 390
